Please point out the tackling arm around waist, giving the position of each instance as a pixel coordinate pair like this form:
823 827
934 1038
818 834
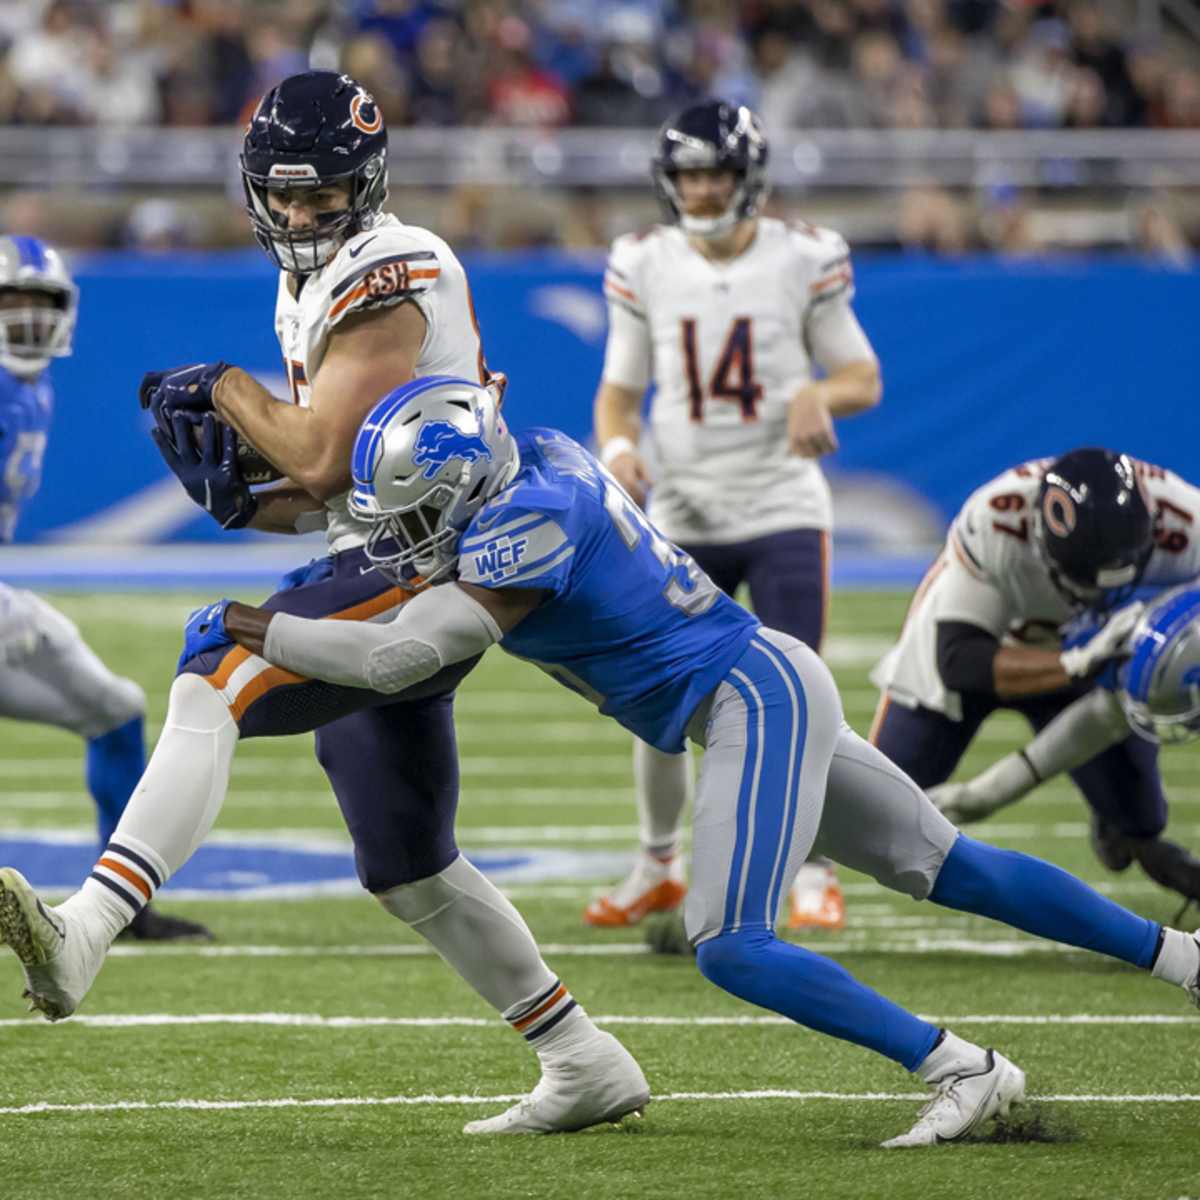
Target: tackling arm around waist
435 628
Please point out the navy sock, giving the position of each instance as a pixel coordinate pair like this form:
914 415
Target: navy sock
814 991
115 761
1032 895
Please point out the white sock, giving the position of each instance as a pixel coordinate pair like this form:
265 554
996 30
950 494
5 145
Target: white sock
662 786
951 1056
171 810
1178 958
472 925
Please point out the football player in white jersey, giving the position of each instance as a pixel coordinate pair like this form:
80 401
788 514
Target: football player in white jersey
365 303
744 325
1030 551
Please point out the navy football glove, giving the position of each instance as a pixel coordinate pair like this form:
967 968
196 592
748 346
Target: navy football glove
209 472
181 389
204 630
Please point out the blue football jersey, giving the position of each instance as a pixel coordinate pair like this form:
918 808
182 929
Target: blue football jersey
631 622
26 407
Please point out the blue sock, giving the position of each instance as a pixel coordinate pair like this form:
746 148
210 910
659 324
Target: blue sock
815 992
1032 895
115 761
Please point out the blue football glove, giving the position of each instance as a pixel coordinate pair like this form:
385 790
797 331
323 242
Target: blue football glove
209 472
204 630
314 571
181 389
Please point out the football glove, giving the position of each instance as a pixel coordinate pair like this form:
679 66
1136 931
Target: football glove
1091 644
181 389
209 472
204 630
315 570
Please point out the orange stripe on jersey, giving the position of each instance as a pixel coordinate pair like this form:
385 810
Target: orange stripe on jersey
624 293
881 712
348 299
842 276
372 608
119 868
259 686
226 667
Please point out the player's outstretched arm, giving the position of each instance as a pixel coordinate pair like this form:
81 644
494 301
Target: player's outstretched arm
437 627
1081 731
368 355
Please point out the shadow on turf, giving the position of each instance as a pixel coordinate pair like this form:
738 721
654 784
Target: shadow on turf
1030 1123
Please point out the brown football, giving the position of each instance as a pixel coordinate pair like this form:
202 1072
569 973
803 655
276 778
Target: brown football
255 468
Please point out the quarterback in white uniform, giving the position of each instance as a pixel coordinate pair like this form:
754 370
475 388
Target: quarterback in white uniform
744 326
365 303
997 623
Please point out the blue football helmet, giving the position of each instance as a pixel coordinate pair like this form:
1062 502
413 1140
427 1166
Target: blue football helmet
33 332
712 135
1160 683
1093 526
313 130
428 457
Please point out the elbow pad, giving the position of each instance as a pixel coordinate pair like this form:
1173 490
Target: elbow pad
965 657
396 665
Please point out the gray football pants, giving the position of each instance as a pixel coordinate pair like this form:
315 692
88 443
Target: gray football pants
784 777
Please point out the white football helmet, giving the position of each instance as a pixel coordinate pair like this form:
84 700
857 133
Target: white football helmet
428 457
1160 684
33 332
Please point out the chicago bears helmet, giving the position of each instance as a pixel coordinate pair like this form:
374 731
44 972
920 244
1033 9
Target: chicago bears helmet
712 135
1093 526
428 457
1160 684
312 130
32 332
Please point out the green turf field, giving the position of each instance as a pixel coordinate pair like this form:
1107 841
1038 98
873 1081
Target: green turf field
336 1059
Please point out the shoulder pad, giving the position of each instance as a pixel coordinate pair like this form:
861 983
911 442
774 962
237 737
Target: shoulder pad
381 267
622 274
826 255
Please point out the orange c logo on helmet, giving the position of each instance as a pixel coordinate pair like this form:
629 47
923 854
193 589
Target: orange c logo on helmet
368 125
1058 510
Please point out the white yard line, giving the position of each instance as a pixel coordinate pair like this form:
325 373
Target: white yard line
464 1100
315 1021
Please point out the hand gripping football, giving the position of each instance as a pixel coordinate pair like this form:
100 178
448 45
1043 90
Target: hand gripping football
254 466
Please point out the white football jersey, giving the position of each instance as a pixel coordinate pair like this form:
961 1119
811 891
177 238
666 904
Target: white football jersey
725 343
384 265
991 575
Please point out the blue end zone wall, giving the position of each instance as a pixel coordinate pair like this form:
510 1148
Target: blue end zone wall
985 363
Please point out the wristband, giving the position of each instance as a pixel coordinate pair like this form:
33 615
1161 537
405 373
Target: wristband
615 447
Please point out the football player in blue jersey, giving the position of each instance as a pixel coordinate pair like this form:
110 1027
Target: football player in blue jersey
48 674
529 542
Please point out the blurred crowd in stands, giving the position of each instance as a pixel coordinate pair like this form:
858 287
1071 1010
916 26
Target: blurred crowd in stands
995 64
848 64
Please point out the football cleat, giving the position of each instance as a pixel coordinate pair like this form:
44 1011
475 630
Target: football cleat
1192 986
58 958
816 900
962 1102
652 886
152 926
597 1082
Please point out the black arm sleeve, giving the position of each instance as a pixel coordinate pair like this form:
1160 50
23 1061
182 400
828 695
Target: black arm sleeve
965 654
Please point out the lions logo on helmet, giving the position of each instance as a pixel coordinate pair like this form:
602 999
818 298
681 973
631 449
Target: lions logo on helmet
314 130
38 304
713 135
1160 684
428 457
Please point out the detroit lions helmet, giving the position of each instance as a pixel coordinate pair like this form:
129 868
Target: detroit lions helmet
712 135
428 457
33 332
1093 526
313 130
1160 684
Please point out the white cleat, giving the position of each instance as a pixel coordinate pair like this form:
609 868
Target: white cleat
963 1102
599 1082
1192 986
58 958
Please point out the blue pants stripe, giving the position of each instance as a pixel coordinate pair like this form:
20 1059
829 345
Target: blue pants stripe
796 691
